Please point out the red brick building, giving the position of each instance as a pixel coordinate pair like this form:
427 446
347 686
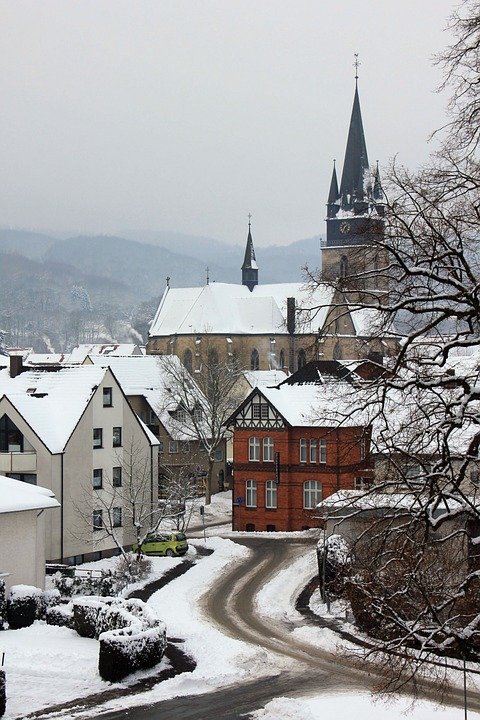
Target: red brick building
287 458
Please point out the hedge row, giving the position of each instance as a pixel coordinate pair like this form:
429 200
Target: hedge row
26 603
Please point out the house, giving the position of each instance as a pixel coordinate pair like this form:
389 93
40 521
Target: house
23 512
71 430
149 385
80 352
288 453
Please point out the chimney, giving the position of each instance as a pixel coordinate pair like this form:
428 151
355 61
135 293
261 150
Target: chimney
16 365
291 315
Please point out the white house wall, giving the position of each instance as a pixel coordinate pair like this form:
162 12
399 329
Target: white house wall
22 547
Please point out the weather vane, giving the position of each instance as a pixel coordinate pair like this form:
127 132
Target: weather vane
207 270
356 64
249 220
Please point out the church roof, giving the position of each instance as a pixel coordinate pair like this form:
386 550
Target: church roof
249 261
356 158
224 309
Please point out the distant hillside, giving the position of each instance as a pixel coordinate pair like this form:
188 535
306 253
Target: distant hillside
23 242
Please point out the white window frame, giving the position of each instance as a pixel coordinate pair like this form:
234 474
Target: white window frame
251 494
254 449
303 450
313 451
322 451
312 494
271 495
268 454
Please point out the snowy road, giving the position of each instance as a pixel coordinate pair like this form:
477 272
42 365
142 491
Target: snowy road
303 668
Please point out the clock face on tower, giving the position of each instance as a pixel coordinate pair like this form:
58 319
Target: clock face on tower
344 228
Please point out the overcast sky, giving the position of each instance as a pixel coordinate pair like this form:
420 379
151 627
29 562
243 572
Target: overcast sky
186 115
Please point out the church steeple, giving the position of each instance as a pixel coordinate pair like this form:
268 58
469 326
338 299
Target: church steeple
355 165
333 195
249 267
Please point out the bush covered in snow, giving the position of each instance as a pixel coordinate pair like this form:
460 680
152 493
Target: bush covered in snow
24 605
107 582
124 651
333 562
60 615
130 634
3 693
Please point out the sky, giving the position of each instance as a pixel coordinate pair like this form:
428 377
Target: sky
186 115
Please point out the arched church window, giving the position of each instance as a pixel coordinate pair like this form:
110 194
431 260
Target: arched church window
282 359
254 360
337 352
213 358
188 360
343 266
301 359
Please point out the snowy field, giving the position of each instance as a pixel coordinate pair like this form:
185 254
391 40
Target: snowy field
35 655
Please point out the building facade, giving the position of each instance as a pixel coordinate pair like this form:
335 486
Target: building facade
286 458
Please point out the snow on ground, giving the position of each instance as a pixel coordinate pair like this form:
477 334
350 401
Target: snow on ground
221 660
344 706
277 597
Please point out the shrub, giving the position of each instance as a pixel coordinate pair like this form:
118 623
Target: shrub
85 614
23 604
124 651
60 615
3 693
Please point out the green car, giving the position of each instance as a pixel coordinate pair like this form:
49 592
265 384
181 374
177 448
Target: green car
170 544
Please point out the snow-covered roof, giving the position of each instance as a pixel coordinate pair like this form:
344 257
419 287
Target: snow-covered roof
224 309
261 378
16 496
153 377
80 352
316 405
52 402
47 358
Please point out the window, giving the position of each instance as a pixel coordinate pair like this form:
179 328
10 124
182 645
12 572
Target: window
11 439
97 519
251 493
282 360
117 516
197 414
301 359
186 446
271 494
117 477
117 437
173 447
97 480
180 415
303 450
254 360
361 483
322 450
213 361
267 449
254 449
218 455
160 446
313 451
474 476
188 360
107 397
97 438
363 447
28 478
343 266
312 494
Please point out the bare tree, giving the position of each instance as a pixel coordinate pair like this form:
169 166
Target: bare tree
425 407
199 406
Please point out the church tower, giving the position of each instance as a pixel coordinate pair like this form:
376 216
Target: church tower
249 267
355 212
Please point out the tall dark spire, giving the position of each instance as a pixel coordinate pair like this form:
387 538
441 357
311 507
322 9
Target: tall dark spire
249 267
356 158
333 192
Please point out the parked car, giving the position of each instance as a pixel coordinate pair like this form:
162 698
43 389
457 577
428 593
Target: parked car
170 544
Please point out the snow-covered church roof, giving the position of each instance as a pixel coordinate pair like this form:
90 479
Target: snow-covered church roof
226 308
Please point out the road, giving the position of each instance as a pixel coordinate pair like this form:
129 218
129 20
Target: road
231 606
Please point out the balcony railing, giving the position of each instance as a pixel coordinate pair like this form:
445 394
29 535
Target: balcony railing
18 462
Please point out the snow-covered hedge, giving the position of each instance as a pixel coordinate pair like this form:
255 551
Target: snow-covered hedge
333 561
60 615
131 636
3 693
24 605
124 651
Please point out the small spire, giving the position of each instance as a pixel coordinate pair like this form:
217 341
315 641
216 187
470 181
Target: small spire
333 193
377 185
250 267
